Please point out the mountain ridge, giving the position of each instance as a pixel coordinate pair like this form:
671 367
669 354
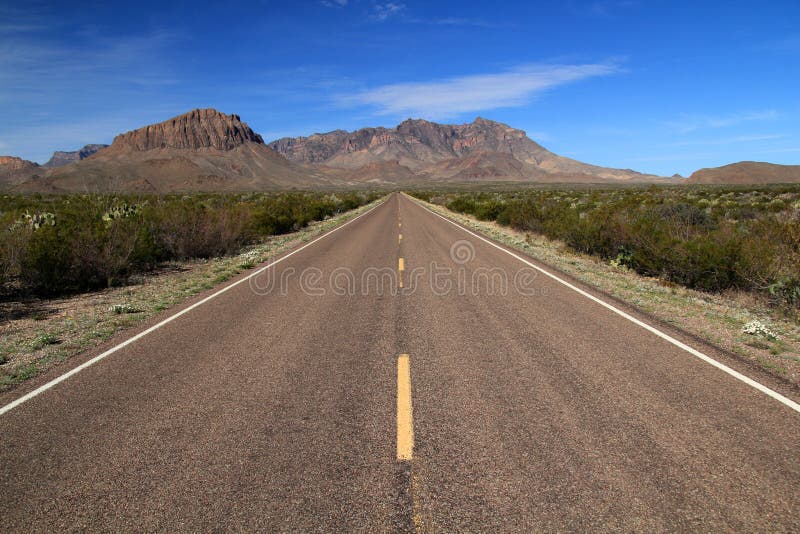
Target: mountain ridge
202 150
60 158
747 172
423 145
206 150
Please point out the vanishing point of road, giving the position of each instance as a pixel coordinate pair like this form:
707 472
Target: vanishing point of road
399 374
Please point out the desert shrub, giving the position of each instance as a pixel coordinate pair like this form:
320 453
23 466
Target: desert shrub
706 238
56 244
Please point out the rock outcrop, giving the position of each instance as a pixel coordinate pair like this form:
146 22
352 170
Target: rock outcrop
434 150
61 158
203 150
196 130
10 164
15 170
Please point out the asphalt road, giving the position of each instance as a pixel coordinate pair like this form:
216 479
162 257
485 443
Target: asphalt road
319 395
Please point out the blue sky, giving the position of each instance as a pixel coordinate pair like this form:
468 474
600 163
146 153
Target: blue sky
658 86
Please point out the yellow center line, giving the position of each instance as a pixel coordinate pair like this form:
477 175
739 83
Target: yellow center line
405 418
399 237
400 268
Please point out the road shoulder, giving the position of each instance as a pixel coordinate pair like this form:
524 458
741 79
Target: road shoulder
716 321
43 338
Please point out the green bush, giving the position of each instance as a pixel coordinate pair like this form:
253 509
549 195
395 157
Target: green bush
709 238
56 244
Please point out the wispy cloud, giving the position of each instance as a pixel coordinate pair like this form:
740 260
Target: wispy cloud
20 28
457 22
29 67
779 150
43 81
387 10
691 123
334 3
449 97
600 8
786 45
727 140
679 156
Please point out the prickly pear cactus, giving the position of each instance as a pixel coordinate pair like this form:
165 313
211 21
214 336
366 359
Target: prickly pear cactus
121 211
37 220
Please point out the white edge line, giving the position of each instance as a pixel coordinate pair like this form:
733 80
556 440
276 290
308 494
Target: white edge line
41 389
694 352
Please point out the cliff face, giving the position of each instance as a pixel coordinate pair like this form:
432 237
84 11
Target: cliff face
203 150
413 142
198 129
433 149
14 170
13 164
60 158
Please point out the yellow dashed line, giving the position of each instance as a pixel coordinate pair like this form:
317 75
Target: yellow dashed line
405 418
400 265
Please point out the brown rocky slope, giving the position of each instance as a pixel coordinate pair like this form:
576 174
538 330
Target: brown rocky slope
203 150
14 170
747 172
432 151
60 158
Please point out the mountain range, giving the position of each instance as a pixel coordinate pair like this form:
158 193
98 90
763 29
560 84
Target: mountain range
480 150
205 150
60 158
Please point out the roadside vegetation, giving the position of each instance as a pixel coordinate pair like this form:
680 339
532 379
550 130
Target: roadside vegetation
758 326
707 238
52 245
213 239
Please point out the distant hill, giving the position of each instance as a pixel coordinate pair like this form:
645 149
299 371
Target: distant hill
60 158
747 172
14 170
206 150
203 150
482 150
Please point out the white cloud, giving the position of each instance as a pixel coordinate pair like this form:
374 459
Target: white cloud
381 12
334 3
779 150
449 97
601 8
690 123
728 140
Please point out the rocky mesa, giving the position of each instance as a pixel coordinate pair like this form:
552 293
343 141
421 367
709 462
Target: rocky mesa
202 150
196 130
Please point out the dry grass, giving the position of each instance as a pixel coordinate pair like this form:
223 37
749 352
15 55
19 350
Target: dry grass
717 318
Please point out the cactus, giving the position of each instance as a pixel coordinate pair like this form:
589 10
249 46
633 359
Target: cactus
36 220
121 211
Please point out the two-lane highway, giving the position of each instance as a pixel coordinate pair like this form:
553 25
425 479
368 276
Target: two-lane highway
399 374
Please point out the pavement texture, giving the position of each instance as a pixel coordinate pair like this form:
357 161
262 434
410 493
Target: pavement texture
274 407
